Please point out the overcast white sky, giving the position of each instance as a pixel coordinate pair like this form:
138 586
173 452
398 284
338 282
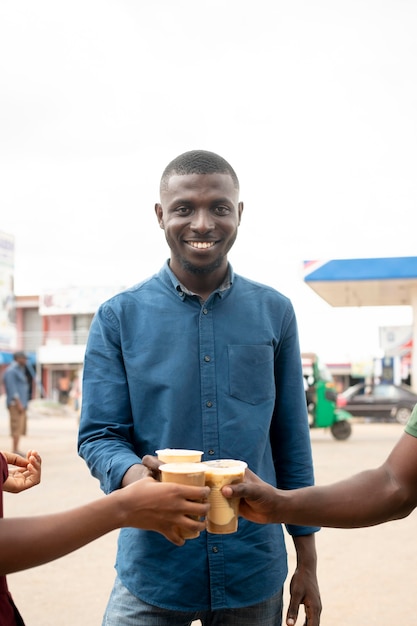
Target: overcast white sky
313 102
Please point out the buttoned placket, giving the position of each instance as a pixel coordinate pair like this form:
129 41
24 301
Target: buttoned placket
211 438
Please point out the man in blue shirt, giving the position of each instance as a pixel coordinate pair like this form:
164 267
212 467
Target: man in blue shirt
17 397
199 357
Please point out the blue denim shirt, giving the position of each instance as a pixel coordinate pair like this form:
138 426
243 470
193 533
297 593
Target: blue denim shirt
16 384
163 370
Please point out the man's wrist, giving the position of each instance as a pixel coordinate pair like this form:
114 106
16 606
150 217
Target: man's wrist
134 473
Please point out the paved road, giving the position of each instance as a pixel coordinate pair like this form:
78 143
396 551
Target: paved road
367 576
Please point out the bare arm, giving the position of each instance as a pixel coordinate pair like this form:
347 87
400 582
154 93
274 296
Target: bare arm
148 504
365 499
304 588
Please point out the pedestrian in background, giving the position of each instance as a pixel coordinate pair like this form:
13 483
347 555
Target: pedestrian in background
17 397
75 393
64 388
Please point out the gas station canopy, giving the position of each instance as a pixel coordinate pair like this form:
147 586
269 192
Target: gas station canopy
390 281
364 282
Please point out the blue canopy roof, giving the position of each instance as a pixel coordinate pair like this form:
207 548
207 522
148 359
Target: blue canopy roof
362 269
388 281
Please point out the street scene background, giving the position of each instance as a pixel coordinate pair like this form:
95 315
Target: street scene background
314 105
366 576
312 102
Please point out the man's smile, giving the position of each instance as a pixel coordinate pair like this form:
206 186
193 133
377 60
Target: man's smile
201 245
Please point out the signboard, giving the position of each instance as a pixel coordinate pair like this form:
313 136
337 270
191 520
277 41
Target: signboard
8 334
395 340
75 300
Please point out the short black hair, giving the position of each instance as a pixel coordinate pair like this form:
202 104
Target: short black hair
198 162
20 355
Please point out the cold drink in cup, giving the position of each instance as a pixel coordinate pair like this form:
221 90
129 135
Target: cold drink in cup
222 518
184 474
179 455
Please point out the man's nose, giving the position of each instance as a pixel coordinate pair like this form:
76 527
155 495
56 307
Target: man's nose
202 221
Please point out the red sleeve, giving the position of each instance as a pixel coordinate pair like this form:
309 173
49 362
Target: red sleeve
4 472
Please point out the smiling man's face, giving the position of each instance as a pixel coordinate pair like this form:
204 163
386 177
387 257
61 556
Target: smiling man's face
200 214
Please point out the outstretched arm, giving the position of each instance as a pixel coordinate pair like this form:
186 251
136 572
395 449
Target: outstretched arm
365 499
148 504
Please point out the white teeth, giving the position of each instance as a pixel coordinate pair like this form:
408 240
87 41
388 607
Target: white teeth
201 244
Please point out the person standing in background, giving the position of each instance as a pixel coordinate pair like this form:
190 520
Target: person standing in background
75 393
64 388
17 397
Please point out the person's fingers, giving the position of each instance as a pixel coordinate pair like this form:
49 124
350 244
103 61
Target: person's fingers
15 459
175 537
151 462
240 490
194 493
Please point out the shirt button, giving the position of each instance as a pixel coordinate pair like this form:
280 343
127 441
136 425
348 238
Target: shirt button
211 452
215 549
205 311
209 404
207 358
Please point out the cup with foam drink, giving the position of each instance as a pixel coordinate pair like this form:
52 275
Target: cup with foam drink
179 455
184 474
222 518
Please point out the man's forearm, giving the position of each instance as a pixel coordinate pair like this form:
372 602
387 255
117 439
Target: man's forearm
365 499
28 542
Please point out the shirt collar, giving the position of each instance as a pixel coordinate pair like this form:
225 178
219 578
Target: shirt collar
183 291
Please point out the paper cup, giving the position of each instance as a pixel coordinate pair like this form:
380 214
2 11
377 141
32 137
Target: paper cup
222 518
184 474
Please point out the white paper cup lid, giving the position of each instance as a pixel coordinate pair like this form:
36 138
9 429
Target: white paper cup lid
230 465
183 468
178 451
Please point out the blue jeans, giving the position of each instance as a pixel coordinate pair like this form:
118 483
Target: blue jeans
124 609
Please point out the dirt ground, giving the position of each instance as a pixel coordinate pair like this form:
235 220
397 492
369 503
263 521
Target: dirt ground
367 577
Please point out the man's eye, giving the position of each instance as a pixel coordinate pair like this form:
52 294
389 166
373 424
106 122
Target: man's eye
222 210
183 210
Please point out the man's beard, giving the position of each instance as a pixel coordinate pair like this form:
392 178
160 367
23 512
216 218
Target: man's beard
206 269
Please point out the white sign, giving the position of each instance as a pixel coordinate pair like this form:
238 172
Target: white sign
75 300
8 334
395 340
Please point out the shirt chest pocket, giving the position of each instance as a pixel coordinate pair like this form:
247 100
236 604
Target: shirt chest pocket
251 373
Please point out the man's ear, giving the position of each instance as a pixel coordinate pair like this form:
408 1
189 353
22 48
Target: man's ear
159 215
240 210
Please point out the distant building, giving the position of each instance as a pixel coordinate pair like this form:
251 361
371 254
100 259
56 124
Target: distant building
53 328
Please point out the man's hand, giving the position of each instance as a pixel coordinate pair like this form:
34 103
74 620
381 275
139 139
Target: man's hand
152 463
19 405
259 500
304 589
148 467
27 471
167 508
